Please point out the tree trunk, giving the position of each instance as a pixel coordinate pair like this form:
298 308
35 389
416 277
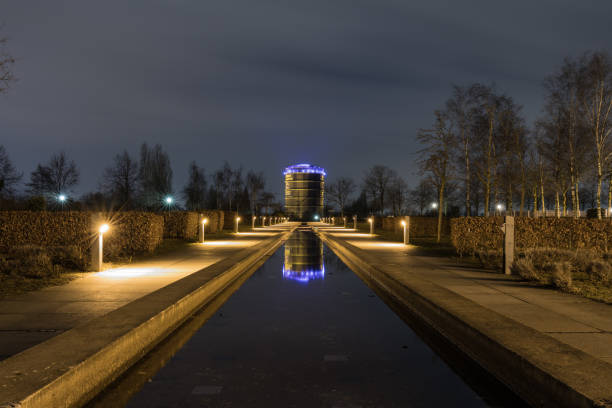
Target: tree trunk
577 200
468 205
440 200
599 181
609 193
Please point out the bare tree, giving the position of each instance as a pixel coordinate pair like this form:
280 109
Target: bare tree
398 191
595 95
422 196
563 107
6 67
266 201
194 192
255 183
484 128
154 176
511 150
340 191
437 154
236 186
120 180
9 177
57 177
461 108
375 183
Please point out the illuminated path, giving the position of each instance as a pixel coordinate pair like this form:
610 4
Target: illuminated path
550 341
30 318
579 322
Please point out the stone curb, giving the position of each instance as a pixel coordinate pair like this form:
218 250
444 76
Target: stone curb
71 368
540 369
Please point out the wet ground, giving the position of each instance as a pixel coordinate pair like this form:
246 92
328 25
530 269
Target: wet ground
302 331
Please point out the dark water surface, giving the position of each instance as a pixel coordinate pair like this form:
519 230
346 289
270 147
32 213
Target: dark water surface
304 331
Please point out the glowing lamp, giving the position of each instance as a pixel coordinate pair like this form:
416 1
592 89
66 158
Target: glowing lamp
204 222
405 225
62 198
169 200
101 230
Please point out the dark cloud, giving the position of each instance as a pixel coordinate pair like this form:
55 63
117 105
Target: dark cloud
343 84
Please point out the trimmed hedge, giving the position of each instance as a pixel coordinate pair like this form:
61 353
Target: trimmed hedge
229 217
132 233
471 235
74 233
46 229
215 220
181 224
421 227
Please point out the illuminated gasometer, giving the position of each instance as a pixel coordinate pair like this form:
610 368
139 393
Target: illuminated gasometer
304 191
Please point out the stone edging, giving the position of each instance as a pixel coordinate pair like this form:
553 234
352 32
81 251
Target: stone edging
540 369
69 369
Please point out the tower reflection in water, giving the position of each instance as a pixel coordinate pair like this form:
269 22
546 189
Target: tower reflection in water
303 257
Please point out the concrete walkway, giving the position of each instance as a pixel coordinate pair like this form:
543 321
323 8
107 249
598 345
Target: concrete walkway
31 318
579 322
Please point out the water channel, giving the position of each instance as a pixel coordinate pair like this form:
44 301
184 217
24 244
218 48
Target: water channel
302 331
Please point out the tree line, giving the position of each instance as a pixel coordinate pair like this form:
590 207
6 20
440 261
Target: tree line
130 183
478 157
480 148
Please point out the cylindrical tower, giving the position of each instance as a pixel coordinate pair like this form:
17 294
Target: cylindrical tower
304 192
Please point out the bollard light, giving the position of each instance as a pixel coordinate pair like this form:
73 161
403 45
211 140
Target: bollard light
405 232
103 228
355 222
237 221
204 222
344 219
253 222
263 221
371 221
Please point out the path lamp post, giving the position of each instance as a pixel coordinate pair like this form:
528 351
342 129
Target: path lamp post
237 221
263 221
103 228
371 221
404 224
204 222
344 219
253 222
355 222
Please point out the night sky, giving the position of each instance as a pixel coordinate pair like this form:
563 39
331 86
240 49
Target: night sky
340 84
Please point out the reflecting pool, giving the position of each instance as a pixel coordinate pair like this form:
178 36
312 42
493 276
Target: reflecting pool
312 336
